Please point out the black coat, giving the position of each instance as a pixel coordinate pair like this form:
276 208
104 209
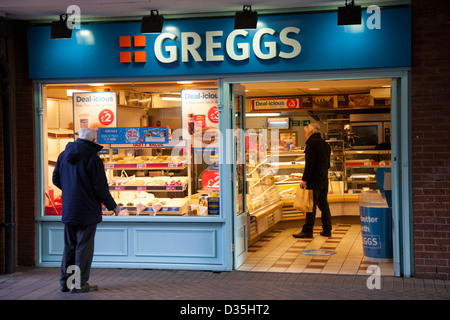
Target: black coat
80 174
317 157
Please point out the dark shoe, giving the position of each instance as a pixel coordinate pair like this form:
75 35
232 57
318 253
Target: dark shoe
303 235
63 289
325 233
85 288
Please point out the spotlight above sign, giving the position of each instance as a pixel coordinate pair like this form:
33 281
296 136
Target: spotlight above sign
60 30
246 19
153 23
349 15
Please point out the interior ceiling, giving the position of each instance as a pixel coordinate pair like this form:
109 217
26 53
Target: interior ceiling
47 10
329 87
260 89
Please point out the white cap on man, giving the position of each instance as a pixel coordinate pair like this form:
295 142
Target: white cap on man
86 134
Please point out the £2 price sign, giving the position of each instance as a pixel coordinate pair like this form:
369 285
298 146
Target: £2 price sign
106 117
210 180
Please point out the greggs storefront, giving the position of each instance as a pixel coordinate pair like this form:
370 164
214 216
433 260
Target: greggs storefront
188 144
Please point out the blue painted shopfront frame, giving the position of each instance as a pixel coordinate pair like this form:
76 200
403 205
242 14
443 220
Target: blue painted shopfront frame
348 53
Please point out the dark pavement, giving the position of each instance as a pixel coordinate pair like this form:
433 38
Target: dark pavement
196 288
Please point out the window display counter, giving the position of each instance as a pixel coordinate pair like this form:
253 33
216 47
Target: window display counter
159 189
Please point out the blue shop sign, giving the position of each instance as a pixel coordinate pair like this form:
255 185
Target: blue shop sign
288 42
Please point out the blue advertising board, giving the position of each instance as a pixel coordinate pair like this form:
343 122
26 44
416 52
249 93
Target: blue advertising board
287 42
132 135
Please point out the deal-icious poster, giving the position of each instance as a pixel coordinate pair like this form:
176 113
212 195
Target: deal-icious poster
94 110
200 120
200 117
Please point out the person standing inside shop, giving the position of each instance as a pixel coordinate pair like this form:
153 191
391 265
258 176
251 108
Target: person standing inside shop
315 177
80 174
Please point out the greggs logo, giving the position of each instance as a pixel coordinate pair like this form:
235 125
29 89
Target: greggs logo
138 42
238 46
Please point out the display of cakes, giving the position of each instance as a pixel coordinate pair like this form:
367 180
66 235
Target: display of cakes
159 181
146 203
143 159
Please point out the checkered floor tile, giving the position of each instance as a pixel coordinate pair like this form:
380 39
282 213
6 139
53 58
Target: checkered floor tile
342 253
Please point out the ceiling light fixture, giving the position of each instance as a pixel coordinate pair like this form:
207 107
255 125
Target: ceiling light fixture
246 19
70 92
153 23
263 114
170 97
349 15
59 29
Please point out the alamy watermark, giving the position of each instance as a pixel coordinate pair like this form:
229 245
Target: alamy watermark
73 17
374 280
260 143
74 281
374 20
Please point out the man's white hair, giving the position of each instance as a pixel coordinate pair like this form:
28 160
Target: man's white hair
86 134
312 128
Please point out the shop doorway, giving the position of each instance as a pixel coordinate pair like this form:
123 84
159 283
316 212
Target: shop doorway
268 235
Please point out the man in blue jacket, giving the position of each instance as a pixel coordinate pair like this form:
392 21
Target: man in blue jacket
80 174
315 177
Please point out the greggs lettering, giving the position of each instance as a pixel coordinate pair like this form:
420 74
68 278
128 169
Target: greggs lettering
263 46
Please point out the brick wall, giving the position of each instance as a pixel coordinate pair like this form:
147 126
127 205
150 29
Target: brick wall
431 138
23 150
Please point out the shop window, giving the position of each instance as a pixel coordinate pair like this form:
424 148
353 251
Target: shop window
170 169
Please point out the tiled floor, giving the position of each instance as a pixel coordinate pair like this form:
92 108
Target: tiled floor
278 251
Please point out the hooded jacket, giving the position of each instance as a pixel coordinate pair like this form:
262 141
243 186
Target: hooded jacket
80 174
317 162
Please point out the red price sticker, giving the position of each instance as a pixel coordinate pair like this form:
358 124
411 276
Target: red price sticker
291 103
213 115
106 117
210 180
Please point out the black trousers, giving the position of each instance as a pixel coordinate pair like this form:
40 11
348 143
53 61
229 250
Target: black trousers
78 251
320 197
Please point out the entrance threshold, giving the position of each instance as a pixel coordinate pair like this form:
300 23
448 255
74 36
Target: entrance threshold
342 253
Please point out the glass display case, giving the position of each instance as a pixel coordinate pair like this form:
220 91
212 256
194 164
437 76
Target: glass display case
149 184
262 191
360 168
264 203
287 168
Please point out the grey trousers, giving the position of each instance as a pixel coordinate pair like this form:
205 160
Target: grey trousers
78 251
